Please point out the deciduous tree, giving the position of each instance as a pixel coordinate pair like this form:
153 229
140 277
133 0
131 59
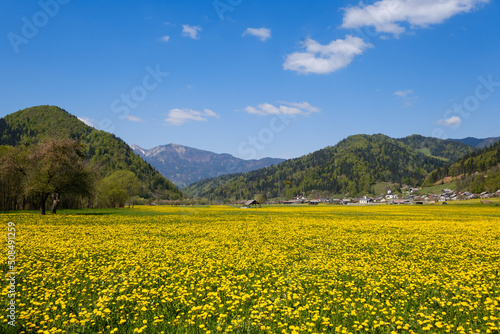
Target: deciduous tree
117 188
56 167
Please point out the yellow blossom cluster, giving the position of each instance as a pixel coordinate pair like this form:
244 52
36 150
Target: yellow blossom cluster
322 269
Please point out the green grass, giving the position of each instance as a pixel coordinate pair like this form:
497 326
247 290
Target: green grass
437 189
427 152
381 187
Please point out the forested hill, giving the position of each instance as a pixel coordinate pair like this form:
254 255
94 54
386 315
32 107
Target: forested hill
352 166
105 151
447 149
478 171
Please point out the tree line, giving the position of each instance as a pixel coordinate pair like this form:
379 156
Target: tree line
57 172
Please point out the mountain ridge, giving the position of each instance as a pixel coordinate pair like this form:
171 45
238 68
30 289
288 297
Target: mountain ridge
351 166
478 142
184 165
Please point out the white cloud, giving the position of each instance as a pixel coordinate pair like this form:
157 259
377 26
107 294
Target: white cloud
191 31
181 116
403 93
210 113
165 38
324 59
133 118
262 33
388 16
452 121
301 105
88 121
285 108
407 96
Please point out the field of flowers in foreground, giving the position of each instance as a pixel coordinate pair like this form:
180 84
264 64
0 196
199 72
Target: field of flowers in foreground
384 269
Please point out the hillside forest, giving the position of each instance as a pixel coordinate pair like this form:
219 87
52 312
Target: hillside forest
50 158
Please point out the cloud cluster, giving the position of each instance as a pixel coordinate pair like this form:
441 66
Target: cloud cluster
452 121
388 16
403 93
191 31
132 118
323 59
284 108
262 33
181 116
407 96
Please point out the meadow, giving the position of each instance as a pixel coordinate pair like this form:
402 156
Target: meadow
322 269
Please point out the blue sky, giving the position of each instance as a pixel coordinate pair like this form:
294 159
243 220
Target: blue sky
257 78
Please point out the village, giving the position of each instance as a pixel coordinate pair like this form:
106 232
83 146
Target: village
408 196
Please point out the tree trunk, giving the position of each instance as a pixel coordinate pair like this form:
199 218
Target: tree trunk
55 203
42 203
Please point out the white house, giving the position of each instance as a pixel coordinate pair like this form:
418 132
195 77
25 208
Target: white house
390 195
365 200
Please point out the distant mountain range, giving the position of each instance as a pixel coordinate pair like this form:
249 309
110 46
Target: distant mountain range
185 165
478 143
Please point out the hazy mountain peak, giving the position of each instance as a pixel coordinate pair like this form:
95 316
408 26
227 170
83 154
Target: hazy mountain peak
185 165
138 150
478 142
179 148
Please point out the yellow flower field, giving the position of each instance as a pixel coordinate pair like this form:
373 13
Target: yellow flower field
324 269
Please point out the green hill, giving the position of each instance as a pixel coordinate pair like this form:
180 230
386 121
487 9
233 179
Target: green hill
477 172
449 150
105 151
352 166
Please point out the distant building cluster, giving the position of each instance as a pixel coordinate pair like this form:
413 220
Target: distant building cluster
391 198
